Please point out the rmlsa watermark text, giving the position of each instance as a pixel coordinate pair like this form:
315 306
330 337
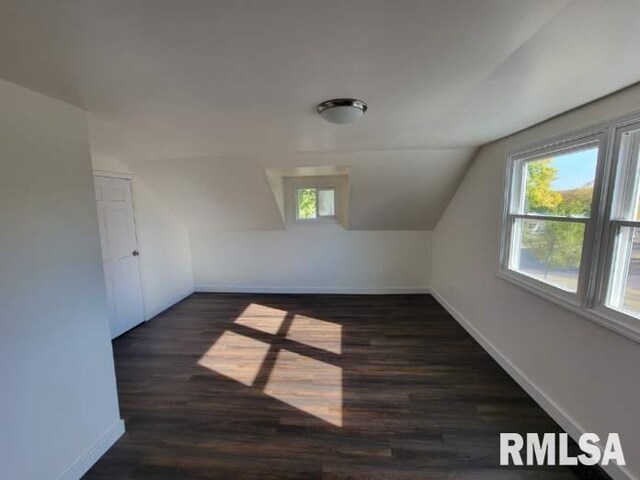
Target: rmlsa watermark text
553 449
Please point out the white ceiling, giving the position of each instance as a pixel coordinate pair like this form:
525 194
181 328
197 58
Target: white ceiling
197 81
184 78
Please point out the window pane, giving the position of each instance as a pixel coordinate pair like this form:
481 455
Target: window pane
326 206
307 203
627 191
562 184
624 288
548 251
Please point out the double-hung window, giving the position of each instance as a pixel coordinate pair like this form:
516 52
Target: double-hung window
622 270
571 223
550 210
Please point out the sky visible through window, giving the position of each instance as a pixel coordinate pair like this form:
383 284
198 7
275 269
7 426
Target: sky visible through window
575 170
559 185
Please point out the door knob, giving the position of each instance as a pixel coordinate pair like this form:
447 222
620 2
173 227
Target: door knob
135 253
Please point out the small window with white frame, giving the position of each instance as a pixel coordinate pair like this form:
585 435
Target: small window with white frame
315 203
315 200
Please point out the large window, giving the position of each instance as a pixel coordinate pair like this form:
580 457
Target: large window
550 214
571 225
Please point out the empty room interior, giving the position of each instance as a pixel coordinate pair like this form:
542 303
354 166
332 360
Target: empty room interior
332 240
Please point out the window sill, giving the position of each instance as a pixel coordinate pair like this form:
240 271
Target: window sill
616 321
311 225
316 221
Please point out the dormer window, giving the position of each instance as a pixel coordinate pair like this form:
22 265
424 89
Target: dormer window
313 203
311 197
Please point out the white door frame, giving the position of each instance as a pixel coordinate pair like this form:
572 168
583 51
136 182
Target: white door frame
132 180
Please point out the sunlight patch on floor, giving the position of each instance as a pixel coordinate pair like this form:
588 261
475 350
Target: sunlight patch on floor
260 317
236 356
316 333
307 384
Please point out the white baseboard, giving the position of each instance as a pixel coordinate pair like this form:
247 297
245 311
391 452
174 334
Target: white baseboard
168 304
326 290
93 454
568 423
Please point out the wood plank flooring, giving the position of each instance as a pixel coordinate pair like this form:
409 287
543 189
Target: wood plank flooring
226 386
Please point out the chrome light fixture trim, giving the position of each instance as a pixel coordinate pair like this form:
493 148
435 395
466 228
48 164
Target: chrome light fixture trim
342 110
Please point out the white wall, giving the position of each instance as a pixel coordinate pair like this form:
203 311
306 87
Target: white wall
238 240
56 367
165 253
316 258
585 374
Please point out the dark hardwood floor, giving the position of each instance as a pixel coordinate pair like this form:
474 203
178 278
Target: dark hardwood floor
226 386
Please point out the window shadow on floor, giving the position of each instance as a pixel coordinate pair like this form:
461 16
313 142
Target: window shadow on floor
314 386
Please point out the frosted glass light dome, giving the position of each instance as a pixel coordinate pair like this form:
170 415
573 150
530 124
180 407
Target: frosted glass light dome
342 110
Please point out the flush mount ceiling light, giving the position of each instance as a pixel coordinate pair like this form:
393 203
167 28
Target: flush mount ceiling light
342 110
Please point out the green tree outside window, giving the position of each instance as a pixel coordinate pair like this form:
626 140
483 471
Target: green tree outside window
307 203
555 244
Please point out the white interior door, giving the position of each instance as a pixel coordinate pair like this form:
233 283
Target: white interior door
119 253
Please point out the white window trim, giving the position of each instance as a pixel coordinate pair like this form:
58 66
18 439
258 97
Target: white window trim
596 260
319 218
339 183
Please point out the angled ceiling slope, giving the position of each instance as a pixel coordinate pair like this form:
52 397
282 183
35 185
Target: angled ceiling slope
172 79
200 96
393 190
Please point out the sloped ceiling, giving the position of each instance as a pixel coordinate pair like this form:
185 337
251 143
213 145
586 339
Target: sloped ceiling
391 190
229 87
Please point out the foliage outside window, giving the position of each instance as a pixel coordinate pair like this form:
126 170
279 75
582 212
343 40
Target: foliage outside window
315 203
551 215
571 228
307 198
